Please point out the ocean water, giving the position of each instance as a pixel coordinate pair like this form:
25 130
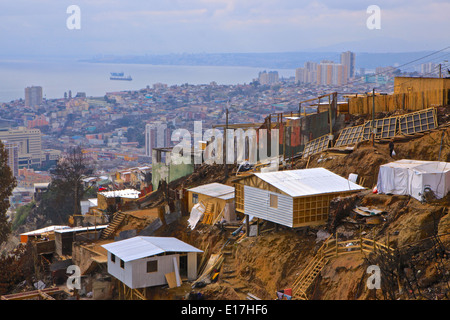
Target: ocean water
57 77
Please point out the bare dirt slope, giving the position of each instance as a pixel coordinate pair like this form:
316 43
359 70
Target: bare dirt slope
273 260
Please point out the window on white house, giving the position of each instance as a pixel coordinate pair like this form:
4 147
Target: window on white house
122 264
152 266
273 201
113 257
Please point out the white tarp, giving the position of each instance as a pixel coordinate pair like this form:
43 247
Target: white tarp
412 177
197 212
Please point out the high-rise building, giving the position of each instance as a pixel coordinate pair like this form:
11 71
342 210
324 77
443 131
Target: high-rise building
29 145
324 70
348 61
429 69
13 157
33 96
299 75
268 78
329 73
157 135
307 74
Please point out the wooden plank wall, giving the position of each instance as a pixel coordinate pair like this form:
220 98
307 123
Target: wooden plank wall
239 196
412 101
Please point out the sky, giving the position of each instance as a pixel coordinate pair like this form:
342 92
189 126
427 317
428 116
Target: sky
139 27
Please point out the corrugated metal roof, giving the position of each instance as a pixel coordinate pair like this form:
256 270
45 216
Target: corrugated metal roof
81 229
216 190
44 230
126 193
305 182
141 247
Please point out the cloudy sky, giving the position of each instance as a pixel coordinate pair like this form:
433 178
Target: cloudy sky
139 27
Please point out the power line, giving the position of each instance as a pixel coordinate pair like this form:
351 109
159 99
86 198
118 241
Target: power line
398 67
425 74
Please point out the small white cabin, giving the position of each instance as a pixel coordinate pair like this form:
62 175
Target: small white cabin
142 262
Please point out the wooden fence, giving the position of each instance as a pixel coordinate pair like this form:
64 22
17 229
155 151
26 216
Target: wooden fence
411 101
332 247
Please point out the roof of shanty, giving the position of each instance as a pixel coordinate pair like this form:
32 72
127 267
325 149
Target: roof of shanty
41 185
44 230
81 229
126 193
305 182
216 190
141 247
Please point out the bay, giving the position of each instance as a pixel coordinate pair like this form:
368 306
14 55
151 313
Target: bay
59 76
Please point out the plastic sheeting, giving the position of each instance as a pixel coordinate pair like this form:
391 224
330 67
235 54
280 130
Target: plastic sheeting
197 212
412 177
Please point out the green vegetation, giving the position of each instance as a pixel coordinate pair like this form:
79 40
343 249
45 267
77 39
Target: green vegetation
7 184
21 215
65 191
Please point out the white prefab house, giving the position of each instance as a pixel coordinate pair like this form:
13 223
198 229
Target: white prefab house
293 198
142 262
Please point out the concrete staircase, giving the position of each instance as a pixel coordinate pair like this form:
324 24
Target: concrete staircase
113 225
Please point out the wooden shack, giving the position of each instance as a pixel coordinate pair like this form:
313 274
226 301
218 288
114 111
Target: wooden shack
216 197
116 200
65 237
293 198
43 233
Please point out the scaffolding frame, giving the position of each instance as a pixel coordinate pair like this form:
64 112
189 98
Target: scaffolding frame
317 145
388 128
418 121
350 136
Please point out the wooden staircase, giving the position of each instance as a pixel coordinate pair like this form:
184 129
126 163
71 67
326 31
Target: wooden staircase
113 225
208 216
333 248
310 272
45 264
228 273
307 277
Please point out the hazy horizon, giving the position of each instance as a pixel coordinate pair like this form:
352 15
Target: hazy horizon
39 27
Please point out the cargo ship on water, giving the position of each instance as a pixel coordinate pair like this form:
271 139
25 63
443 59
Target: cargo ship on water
119 76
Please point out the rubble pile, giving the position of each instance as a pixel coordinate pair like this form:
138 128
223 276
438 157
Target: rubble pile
340 208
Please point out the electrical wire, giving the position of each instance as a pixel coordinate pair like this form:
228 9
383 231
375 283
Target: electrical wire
398 67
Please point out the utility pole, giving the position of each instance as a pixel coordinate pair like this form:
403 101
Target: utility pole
225 147
440 70
373 117
331 119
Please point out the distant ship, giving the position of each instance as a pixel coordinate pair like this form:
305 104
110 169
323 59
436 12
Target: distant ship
119 76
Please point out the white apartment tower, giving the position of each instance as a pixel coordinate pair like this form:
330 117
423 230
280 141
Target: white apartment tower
268 78
307 74
157 135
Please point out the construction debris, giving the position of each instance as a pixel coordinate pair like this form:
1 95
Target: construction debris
340 208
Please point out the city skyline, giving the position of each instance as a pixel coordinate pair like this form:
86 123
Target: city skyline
151 27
